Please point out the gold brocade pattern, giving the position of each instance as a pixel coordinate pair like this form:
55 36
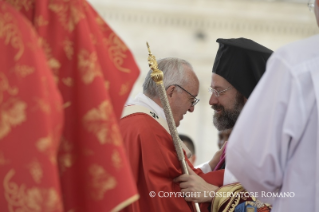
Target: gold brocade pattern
11 33
43 105
35 199
69 13
45 144
3 160
93 39
116 50
96 121
12 113
68 48
5 86
125 88
66 158
100 182
89 66
116 135
229 201
23 70
36 171
107 85
19 4
68 81
40 21
100 22
54 64
67 104
116 159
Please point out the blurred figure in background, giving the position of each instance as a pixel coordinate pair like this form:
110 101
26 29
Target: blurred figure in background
190 145
223 136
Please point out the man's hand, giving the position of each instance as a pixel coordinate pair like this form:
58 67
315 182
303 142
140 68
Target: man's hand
195 185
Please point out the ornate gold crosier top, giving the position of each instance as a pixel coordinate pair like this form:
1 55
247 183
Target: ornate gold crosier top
157 75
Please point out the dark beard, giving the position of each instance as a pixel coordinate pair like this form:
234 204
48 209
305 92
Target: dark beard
226 119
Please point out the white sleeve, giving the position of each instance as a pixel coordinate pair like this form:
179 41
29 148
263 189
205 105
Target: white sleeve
205 167
258 147
229 177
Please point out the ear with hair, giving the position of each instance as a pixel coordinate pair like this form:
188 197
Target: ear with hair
170 91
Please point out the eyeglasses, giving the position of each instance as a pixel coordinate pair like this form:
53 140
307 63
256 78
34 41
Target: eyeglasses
195 99
311 5
217 93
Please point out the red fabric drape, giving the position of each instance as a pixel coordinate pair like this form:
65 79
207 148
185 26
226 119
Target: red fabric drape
31 120
94 71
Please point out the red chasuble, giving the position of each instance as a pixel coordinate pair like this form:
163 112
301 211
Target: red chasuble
94 71
31 120
154 163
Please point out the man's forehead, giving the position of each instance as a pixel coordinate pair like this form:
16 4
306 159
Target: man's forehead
219 81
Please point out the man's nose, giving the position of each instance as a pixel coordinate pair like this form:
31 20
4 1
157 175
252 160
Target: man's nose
191 109
213 100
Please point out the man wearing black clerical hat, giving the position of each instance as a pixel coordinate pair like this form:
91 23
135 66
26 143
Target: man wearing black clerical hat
239 65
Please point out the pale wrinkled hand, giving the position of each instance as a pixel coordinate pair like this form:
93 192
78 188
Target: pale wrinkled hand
195 188
214 161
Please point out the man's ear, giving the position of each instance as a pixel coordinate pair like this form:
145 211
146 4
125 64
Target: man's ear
170 91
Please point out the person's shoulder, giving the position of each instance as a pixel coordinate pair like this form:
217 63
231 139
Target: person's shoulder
299 52
139 121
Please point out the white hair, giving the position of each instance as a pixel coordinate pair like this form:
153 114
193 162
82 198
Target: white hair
174 73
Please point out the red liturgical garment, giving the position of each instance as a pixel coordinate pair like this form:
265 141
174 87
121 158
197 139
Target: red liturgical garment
31 120
94 72
154 164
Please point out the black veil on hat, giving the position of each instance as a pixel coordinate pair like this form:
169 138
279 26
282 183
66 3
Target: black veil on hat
241 62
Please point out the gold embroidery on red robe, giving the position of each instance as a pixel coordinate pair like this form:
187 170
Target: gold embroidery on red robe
89 66
117 49
35 171
34 199
68 48
100 22
19 4
45 145
116 159
107 85
124 89
68 81
66 157
54 64
100 182
11 34
23 70
12 113
69 13
43 105
96 121
40 21
3 160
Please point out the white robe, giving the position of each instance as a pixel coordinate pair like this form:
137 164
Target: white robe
275 143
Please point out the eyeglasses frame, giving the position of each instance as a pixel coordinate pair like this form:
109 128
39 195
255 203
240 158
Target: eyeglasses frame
216 92
196 100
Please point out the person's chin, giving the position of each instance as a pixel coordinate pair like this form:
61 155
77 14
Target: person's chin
177 123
